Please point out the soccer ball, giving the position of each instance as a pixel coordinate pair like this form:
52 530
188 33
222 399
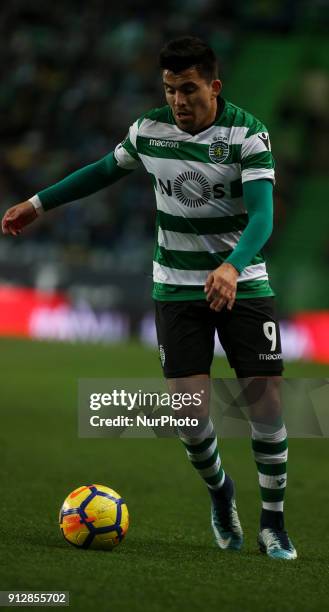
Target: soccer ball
94 516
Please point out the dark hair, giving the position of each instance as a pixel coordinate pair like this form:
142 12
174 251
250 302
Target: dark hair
187 51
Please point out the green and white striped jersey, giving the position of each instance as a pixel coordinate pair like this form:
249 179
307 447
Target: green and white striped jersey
198 187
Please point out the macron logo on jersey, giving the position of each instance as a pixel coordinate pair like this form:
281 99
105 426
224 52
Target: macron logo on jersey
265 139
171 144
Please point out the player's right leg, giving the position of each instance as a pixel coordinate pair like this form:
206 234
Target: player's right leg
186 344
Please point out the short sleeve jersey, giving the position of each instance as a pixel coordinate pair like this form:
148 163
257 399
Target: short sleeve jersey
198 188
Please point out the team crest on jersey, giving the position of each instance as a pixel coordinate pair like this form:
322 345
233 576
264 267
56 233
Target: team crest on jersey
219 150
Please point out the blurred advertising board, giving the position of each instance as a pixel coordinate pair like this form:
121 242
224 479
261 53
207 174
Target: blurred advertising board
31 313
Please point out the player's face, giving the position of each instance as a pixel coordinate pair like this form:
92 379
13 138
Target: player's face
192 99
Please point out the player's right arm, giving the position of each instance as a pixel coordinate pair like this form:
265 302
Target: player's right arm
79 184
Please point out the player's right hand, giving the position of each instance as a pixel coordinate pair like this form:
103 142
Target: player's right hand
17 217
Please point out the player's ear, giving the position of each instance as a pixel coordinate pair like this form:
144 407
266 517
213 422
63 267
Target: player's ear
216 87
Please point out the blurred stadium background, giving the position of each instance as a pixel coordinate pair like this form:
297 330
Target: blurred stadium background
73 79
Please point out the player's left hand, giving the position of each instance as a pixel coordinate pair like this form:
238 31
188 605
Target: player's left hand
221 286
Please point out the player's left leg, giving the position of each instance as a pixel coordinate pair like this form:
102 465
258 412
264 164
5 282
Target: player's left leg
251 338
270 447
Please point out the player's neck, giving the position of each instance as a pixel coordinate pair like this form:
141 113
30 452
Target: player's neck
218 109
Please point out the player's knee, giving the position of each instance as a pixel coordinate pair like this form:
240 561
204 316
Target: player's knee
263 394
192 395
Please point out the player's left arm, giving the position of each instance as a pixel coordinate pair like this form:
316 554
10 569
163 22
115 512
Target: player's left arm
258 200
221 284
257 174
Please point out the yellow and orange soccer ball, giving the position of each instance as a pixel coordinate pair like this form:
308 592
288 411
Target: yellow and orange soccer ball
94 516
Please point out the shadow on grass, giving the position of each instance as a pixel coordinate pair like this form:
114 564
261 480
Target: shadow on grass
176 548
172 551
158 550
181 548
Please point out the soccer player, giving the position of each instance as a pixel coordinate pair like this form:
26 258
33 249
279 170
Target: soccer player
212 171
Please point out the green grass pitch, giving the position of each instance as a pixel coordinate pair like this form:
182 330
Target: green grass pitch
168 561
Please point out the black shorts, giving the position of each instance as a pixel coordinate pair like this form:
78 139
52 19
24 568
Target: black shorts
249 335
